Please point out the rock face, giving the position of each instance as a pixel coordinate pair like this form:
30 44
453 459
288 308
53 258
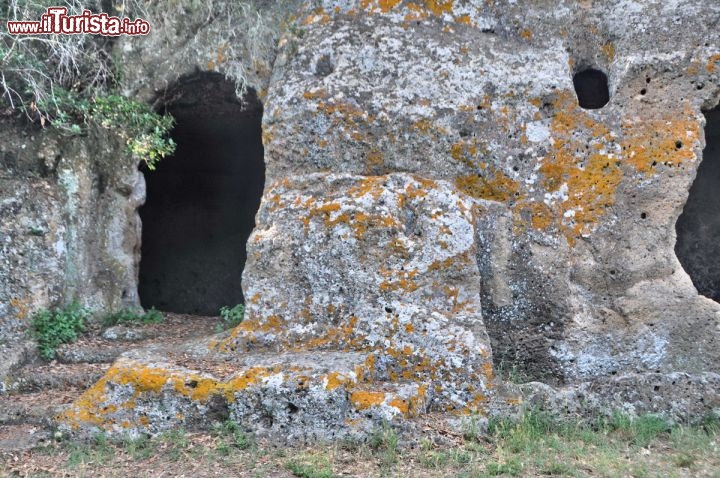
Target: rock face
68 224
439 206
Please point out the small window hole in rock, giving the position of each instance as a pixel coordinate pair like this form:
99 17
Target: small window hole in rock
201 202
698 227
591 88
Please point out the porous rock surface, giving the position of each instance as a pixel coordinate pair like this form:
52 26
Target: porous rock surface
438 207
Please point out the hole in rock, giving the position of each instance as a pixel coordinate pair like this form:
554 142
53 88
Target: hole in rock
698 227
201 202
591 88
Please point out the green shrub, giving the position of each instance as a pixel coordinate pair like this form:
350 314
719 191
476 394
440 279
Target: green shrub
231 316
145 132
134 315
58 326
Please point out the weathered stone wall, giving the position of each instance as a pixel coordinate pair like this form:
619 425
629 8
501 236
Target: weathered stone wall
579 276
69 222
439 208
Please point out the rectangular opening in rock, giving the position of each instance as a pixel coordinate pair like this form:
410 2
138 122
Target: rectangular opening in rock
201 202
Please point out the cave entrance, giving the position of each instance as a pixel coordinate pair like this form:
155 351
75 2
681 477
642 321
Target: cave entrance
591 88
698 227
201 202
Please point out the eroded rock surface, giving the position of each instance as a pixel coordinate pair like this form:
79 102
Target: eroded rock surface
438 207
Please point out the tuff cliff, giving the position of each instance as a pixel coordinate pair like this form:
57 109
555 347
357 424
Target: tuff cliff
438 210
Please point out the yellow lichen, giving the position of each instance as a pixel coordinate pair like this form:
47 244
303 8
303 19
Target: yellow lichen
710 67
609 50
493 185
363 399
667 140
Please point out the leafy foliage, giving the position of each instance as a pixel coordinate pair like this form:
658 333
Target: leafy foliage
134 315
145 132
68 82
232 316
58 326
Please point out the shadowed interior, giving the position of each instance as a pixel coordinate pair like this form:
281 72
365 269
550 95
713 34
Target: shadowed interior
201 202
591 88
698 227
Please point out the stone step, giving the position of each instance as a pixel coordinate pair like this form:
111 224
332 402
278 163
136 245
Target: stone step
291 396
60 376
83 353
23 437
39 408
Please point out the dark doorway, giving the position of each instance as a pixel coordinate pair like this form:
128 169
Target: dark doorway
201 202
591 88
698 227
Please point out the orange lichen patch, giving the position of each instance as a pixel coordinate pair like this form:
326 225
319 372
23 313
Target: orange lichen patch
540 215
405 284
22 307
92 408
439 7
401 404
88 407
387 5
428 127
320 93
668 140
375 161
476 404
246 329
334 380
372 185
362 399
464 20
273 323
590 180
609 50
317 16
487 370
494 185
710 67
345 111
334 336
464 151
526 34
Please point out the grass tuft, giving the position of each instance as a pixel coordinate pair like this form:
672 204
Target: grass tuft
134 316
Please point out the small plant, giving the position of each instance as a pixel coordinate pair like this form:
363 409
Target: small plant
134 315
231 316
384 440
509 467
231 435
640 431
472 429
308 466
58 326
139 448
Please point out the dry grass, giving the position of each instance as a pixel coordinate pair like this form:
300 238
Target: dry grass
535 446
